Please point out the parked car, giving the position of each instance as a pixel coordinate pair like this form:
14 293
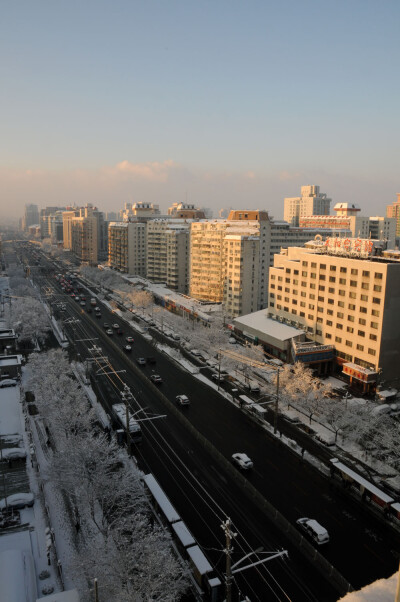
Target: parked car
17 501
316 531
242 461
7 382
156 379
129 339
141 361
195 352
182 400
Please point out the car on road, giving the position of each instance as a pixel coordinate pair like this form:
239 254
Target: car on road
97 309
17 501
242 461
127 348
129 339
195 352
182 400
116 326
141 361
110 332
156 379
316 531
7 382
83 303
98 315
106 325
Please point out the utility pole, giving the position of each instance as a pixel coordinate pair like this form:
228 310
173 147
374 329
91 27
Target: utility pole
276 403
226 526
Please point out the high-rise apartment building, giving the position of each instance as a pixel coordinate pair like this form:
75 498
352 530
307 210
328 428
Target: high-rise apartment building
168 252
31 216
127 247
84 239
342 294
68 216
311 202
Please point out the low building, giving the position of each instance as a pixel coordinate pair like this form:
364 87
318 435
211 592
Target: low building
10 366
8 340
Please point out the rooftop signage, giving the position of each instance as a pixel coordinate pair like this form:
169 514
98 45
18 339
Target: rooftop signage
352 247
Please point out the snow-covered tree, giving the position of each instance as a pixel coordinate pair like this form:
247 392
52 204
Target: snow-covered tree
29 319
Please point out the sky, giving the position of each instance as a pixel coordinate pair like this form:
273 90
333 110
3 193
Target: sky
221 104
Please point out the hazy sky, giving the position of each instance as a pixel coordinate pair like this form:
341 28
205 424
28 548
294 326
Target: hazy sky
220 103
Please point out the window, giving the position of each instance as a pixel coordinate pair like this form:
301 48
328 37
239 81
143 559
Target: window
371 351
331 301
279 278
352 295
374 325
364 297
361 333
350 329
342 293
343 270
322 266
339 314
349 344
328 336
353 282
311 306
295 282
377 288
332 268
365 274
320 309
352 307
304 264
360 347
329 322
303 293
304 274
329 312
375 312
350 318
296 272
303 283
354 272
362 321
310 317
363 310
339 326
322 299
319 320
287 289
342 280
341 303
302 304
373 337
318 332
322 276
313 275
365 286
312 296
332 279
378 275
321 287
285 309
313 265
376 300
312 285
331 290
302 314
338 339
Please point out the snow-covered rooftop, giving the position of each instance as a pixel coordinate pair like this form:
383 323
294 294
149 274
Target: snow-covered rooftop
259 321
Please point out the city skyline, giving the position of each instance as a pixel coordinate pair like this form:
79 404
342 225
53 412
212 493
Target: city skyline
219 106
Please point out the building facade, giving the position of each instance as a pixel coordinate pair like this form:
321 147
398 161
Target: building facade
84 241
167 252
311 202
31 216
127 247
342 294
393 211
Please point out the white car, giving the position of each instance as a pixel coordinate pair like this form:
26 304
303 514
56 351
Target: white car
182 400
7 382
110 332
195 352
242 461
17 501
316 531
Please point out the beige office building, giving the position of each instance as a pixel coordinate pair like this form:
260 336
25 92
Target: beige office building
127 247
340 293
310 202
167 253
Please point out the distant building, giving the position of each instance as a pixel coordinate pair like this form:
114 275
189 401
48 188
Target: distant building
31 216
139 210
167 253
311 202
185 211
393 211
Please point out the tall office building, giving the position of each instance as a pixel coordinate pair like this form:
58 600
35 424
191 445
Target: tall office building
346 293
311 202
31 216
393 211
167 253
127 247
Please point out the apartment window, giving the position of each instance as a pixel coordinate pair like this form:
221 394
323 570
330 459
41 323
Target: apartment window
287 280
329 312
343 270
338 339
376 300
378 275
354 272
303 283
279 307
322 299
342 293
312 285
375 312
303 294
374 325
296 272
313 265
302 314
332 268
304 274
350 318
312 296
313 275
362 321
320 309
295 292
365 286
310 317
331 290
339 326
279 278
371 351
363 310
350 329
287 300
373 337
294 312
349 344
360 347
353 282
304 264
365 274
342 280
340 315
302 304
364 297
279 297
377 288
322 266
287 270
331 301
341 303
272 285
318 332
319 320
287 289
279 288
352 307
329 322
328 335
311 306
272 276
361 333
295 282
332 279
352 295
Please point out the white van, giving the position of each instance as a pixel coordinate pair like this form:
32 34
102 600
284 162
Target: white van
316 531
93 302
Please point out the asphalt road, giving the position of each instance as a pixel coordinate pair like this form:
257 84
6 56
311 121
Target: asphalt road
362 548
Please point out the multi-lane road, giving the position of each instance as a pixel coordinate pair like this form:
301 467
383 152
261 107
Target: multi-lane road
205 490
